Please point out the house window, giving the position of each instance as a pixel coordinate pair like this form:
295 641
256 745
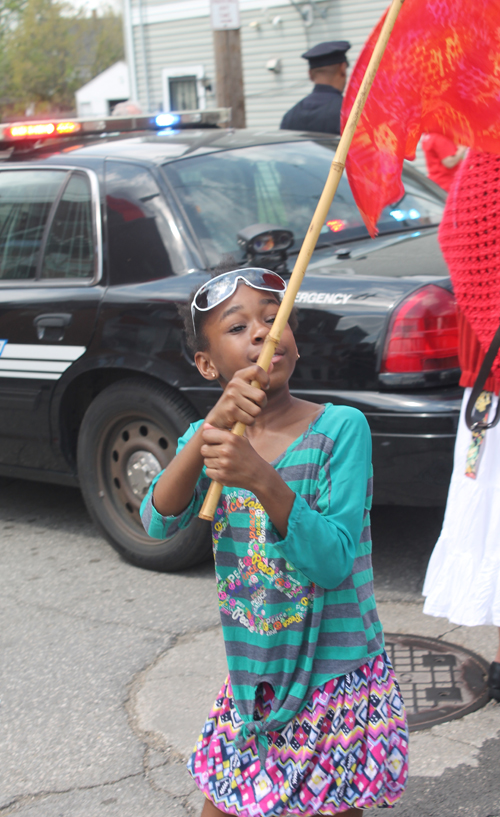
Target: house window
112 103
183 93
183 88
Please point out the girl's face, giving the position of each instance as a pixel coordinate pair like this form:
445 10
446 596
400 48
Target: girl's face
236 330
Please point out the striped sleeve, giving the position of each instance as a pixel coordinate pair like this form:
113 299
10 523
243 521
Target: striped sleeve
165 527
322 541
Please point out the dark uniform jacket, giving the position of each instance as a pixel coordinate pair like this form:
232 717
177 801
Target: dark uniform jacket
320 111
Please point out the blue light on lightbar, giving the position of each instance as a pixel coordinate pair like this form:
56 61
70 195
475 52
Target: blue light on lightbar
167 120
414 214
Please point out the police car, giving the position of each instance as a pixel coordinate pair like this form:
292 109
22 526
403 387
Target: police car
107 225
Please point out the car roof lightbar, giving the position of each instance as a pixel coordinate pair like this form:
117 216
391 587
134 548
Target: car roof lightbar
35 131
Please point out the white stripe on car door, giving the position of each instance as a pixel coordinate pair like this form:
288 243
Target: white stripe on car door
43 362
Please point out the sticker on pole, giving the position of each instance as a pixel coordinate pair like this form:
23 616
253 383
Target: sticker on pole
225 14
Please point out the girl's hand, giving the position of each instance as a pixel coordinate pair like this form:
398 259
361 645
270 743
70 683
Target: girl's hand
240 401
230 459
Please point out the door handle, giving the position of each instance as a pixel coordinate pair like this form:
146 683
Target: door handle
55 321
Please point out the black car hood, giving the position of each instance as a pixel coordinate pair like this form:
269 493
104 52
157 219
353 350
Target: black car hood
399 255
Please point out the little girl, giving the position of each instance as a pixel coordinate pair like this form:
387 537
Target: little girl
310 719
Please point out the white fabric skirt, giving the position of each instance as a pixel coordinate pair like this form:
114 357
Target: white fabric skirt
463 577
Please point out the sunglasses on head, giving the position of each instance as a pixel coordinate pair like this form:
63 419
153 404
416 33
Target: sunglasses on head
221 288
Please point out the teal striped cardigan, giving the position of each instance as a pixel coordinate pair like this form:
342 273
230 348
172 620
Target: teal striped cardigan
299 611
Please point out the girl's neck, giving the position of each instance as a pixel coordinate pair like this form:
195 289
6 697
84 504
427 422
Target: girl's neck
284 420
281 415
279 407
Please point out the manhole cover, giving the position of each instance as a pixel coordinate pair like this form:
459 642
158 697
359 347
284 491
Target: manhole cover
439 681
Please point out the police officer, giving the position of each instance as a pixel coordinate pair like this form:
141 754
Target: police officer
320 111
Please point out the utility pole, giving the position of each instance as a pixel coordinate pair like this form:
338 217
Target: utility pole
225 16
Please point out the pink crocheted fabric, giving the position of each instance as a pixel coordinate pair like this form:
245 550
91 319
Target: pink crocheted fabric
470 240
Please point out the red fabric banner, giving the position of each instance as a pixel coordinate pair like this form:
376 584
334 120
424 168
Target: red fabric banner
440 74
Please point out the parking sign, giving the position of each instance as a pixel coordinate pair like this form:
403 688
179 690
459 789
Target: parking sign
225 14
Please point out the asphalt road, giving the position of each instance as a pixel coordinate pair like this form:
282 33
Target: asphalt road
80 628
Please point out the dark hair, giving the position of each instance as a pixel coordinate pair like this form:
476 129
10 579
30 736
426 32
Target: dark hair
199 342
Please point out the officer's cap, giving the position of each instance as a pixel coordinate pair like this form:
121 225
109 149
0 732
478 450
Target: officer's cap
327 54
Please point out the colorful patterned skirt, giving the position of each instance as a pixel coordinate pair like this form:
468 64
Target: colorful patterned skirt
347 748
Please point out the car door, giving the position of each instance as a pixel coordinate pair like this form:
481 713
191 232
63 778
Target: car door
50 288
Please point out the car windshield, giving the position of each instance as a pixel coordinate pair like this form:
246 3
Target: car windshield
280 184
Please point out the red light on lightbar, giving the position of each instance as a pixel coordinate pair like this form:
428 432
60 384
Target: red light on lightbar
25 131
33 130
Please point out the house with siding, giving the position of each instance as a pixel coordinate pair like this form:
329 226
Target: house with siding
170 50
169 46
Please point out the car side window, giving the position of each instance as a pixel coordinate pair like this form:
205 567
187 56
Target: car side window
26 201
69 251
138 232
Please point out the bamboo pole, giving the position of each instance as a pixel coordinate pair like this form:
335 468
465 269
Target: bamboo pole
318 219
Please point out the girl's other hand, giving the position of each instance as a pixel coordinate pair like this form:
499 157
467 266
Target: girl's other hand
240 401
230 459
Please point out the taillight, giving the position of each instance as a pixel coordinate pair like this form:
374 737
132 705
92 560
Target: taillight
423 333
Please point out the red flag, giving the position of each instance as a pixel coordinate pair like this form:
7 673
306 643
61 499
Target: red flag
440 74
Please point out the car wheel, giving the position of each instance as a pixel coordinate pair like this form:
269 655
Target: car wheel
127 436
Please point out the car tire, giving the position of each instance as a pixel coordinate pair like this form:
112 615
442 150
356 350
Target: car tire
128 434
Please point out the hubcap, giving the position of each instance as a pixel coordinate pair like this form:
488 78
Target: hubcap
141 469
136 451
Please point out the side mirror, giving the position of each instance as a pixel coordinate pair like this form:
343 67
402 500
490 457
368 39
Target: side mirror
266 245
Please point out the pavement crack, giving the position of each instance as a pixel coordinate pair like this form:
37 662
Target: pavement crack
89 619
454 740
22 799
152 741
181 634
452 630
